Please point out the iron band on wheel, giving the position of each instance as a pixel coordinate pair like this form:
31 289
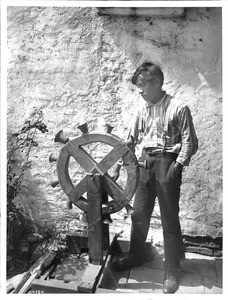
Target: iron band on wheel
74 148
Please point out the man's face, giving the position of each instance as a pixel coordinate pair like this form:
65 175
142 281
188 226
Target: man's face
148 86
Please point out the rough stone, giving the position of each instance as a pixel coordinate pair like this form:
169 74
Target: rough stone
76 66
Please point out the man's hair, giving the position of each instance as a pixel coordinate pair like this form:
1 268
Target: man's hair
152 70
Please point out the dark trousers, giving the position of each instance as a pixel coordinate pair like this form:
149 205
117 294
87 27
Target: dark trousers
161 180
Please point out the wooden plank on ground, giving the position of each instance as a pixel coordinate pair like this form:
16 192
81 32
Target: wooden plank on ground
99 276
87 283
53 286
13 282
200 250
36 269
107 291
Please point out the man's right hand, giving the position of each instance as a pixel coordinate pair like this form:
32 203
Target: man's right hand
115 175
116 172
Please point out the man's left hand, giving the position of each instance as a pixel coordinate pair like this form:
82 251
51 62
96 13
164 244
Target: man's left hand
178 167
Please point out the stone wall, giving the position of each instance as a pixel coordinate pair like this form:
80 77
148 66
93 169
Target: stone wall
76 65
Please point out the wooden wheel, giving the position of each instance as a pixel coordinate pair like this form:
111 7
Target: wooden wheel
120 196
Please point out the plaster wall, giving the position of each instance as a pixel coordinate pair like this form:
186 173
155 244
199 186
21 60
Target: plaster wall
76 65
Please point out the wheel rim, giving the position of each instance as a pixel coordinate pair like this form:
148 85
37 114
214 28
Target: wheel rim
120 197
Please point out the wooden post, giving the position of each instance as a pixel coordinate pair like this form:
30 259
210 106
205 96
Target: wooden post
105 227
95 235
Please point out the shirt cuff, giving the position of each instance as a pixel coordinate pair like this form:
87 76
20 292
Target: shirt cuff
183 161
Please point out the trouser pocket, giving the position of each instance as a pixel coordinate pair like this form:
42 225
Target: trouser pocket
173 173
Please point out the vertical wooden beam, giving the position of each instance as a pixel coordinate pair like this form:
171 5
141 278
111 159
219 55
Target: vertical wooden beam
105 227
95 236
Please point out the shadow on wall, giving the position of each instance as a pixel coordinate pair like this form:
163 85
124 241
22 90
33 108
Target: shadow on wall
188 46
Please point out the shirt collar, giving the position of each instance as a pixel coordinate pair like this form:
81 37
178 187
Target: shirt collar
149 104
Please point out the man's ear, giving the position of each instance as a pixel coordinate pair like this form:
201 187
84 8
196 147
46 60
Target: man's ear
157 82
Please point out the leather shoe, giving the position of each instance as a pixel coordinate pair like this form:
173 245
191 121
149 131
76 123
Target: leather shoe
171 282
127 262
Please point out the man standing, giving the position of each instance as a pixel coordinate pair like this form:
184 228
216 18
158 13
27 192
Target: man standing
164 130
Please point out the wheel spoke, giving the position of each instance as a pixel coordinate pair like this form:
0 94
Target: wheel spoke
120 197
91 166
114 191
111 158
81 203
78 190
82 157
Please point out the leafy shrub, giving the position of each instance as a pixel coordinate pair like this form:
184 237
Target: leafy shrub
19 146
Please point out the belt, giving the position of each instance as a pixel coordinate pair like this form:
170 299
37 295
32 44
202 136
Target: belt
153 151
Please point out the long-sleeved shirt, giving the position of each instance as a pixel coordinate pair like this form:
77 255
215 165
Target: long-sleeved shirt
148 128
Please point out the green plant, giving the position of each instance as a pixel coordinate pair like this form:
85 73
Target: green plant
19 146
